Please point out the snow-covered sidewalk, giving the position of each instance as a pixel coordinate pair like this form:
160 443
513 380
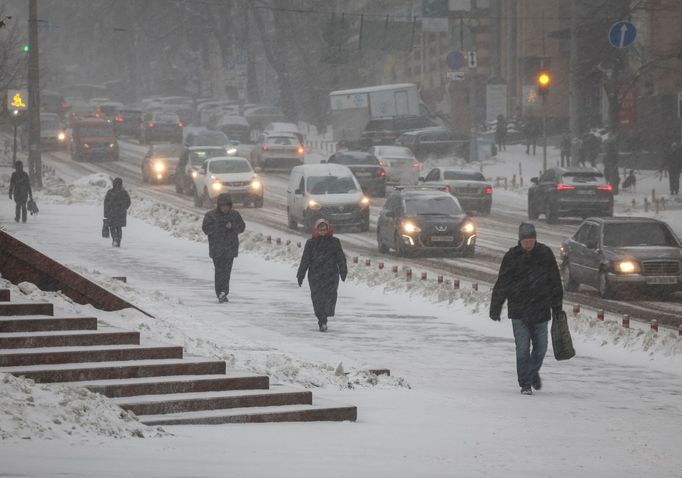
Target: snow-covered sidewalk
451 407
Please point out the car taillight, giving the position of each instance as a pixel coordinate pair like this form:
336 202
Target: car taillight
150 124
97 114
489 190
607 187
381 163
416 165
300 150
181 124
382 173
119 119
564 187
448 189
265 147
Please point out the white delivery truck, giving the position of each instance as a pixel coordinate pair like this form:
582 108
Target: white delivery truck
352 109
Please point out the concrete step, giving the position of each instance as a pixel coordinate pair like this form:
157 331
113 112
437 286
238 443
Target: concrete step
117 370
191 402
25 308
4 295
35 323
176 384
75 338
98 353
321 410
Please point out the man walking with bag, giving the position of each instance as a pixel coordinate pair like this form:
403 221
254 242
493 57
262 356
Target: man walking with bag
20 191
223 225
529 281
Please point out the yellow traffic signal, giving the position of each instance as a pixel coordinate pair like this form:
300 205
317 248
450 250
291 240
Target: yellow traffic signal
544 82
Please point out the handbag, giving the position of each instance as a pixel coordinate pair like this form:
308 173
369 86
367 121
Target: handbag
105 228
561 338
32 207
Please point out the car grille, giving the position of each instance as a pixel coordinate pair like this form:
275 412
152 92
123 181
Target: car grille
343 209
236 184
660 267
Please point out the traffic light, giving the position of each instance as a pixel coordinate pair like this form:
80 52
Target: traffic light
24 48
544 82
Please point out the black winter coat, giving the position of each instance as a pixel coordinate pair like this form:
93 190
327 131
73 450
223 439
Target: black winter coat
324 262
530 283
223 242
116 204
20 186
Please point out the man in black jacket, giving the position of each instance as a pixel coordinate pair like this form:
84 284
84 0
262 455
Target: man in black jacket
116 204
223 225
20 190
529 281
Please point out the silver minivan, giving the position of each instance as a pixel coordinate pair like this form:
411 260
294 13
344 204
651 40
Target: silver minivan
328 191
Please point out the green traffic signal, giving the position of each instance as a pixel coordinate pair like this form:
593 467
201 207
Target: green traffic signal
25 48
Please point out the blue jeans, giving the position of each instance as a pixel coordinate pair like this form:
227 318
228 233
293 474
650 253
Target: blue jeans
528 362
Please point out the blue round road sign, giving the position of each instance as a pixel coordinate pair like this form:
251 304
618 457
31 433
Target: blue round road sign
622 34
455 60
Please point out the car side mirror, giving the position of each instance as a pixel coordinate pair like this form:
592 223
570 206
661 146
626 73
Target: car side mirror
323 161
298 191
421 178
258 169
235 143
534 180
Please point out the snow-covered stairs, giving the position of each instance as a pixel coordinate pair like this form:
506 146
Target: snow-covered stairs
155 381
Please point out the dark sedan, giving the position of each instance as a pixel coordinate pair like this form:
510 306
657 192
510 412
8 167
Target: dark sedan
570 192
128 122
160 164
425 219
619 253
366 168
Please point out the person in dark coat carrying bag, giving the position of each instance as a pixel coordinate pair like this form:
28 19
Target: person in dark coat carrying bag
116 204
20 190
530 282
223 225
324 262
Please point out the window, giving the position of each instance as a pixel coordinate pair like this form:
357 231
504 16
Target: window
198 157
548 177
642 234
587 179
167 118
282 141
463 175
350 159
432 205
229 166
331 184
581 234
94 131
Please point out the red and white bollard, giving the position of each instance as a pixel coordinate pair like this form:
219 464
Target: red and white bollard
455 283
288 241
679 331
424 276
279 241
626 321
654 325
408 274
268 239
355 259
368 262
440 279
395 269
474 286
576 309
381 265
600 314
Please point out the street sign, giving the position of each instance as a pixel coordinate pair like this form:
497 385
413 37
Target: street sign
455 60
472 60
622 34
17 100
454 75
435 16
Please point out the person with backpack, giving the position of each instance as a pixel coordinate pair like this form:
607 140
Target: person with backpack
20 190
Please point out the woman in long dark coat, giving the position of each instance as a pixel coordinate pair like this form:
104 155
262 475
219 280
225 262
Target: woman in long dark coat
324 261
116 204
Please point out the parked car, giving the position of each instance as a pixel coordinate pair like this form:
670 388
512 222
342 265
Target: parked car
424 220
366 168
471 189
570 192
128 122
227 174
279 151
280 127
328 191
93 138
52 133
399 163
387 130
160 163
235 127
435 142
160 125
189 163
616 254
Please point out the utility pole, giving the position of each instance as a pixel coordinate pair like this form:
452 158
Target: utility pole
473 98
544 101
34 160
574 120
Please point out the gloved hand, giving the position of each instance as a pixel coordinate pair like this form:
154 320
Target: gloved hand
300 281
10 196
343 278
555 311
495 317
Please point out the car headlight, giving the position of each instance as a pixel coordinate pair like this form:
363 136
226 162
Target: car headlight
256 185
231 151
627 266
159 166
314 205
364 202
194 174
86 146
217 185
410 227
469 227
61 136
111 145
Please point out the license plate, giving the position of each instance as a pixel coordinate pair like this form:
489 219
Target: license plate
661 280
364 175
441 238
585 192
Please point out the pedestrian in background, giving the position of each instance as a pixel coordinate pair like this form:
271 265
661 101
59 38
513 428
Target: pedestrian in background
501 133
20 190
530 283
324 262
673 165
223 225
532 130
565 148
116 204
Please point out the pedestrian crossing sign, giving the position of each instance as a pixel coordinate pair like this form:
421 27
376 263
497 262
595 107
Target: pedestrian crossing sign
17 100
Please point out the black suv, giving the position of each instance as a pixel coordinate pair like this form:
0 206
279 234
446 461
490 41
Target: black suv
435 142
387 130
570 192
617 253
366 169
424 219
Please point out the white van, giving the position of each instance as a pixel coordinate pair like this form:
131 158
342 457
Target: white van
327 191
